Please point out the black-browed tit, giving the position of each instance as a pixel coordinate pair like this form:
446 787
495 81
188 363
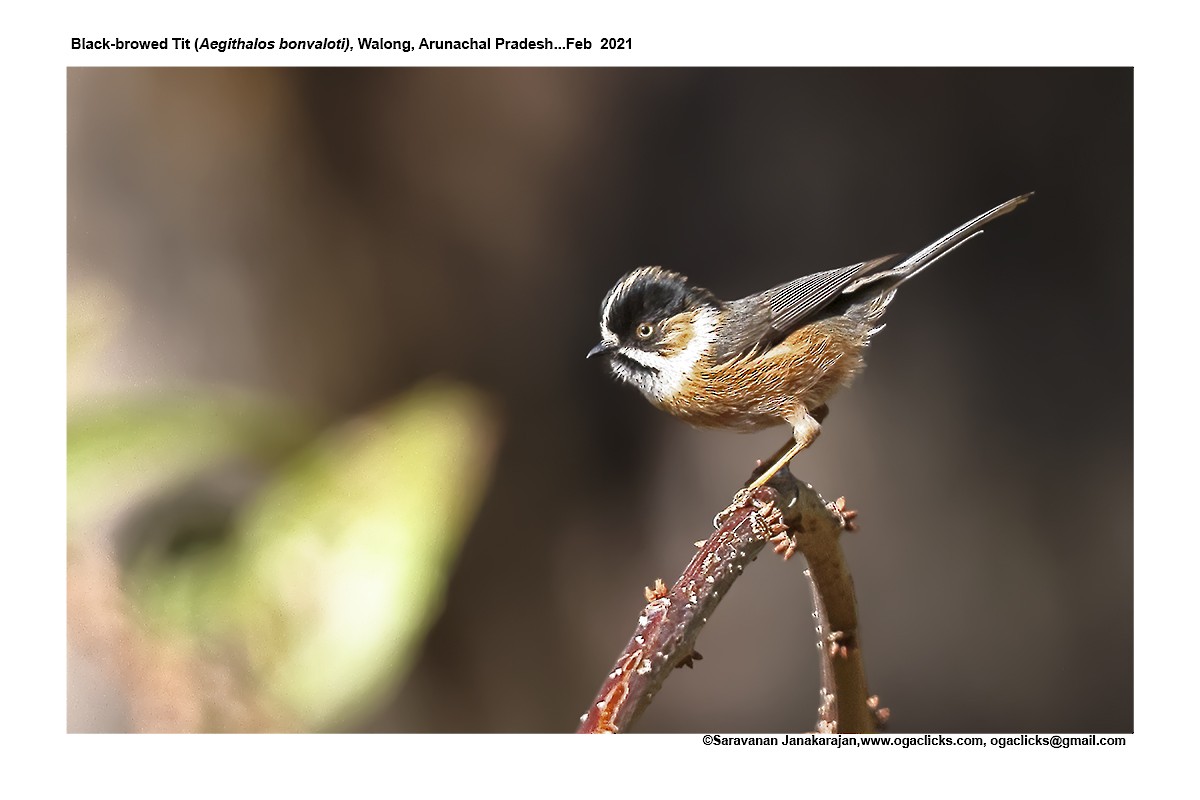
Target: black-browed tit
771 358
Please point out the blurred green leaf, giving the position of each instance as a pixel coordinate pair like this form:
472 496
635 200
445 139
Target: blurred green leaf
345 557
124 449
330 576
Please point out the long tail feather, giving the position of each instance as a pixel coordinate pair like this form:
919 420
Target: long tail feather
927 255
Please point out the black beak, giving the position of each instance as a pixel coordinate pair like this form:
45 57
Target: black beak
600 349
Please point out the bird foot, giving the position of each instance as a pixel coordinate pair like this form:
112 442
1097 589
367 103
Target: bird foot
740 500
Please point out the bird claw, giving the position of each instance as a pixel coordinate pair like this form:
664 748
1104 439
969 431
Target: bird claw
766 518
779 533
741 500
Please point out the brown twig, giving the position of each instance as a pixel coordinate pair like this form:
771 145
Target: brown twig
846 706
793 516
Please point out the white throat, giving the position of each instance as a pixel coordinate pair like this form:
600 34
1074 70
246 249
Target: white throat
669 374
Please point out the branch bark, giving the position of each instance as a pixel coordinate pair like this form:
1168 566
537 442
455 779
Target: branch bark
793 516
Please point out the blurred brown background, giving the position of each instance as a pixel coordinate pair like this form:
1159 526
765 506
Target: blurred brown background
335 236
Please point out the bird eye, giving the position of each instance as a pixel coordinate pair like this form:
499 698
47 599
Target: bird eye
644 330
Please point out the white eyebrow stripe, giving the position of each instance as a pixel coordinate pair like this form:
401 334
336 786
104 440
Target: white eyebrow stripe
617 291
608 304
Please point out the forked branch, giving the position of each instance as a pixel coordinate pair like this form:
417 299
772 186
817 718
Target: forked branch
792 516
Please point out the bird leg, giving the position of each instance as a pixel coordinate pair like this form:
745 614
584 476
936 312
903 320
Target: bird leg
804 431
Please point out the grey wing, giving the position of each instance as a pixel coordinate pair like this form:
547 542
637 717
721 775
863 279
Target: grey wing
794 302
761 320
